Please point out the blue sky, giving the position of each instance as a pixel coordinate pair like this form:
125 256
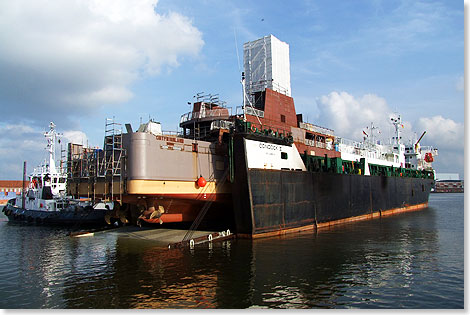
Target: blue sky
352 62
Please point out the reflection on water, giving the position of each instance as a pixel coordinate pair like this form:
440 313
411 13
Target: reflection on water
412 260
367 264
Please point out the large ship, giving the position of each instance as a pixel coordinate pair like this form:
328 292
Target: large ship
257 167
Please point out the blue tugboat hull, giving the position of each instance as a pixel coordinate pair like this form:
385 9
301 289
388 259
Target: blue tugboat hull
80 216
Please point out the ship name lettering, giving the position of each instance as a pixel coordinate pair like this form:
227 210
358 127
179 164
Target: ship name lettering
269 146
171 139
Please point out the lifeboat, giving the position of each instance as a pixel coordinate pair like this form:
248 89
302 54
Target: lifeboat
428 157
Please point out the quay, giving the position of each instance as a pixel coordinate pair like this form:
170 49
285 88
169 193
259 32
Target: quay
9 189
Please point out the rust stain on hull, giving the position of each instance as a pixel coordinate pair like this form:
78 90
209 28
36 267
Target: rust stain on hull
325 225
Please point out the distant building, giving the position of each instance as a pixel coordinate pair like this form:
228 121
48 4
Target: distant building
447 176
9 189
448 183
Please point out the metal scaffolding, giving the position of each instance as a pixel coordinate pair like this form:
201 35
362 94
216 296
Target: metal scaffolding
95 166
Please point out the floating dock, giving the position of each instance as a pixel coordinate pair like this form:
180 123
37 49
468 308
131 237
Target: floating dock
170 238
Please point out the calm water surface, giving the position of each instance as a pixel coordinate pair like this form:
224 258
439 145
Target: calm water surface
411 260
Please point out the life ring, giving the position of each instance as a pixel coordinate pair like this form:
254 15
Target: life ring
254 129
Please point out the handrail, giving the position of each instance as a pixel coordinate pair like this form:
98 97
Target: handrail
315 128
250 111
218 112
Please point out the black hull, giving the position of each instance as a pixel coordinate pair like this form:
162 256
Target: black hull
65 217
273 201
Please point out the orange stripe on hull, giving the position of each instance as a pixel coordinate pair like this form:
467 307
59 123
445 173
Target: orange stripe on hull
324 225
191 197
170 218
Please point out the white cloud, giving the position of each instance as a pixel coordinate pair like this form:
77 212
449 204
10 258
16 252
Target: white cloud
75 136
71 56
442 132
22 142
19 143
348 115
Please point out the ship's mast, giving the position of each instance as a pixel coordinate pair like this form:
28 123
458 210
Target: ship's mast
396 122
244 95
51 137
372 133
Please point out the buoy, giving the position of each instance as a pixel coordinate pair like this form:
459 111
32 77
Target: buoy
201 182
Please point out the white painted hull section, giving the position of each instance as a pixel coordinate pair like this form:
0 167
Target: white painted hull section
264 155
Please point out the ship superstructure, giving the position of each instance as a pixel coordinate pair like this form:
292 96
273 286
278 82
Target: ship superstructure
47 182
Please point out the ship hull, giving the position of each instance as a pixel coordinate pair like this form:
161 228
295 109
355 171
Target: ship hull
268 202
70 217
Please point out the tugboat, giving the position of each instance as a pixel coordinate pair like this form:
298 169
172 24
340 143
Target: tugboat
45 201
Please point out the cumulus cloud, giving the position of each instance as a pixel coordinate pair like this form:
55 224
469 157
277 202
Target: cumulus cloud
444 133
22 142
349 115
68 57
19 143
75 136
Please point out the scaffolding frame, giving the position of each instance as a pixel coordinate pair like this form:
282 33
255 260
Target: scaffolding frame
113 156
95 165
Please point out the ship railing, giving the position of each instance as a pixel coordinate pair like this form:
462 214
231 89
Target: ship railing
365 149
207 113
171 133
261 85
264 130
309 142
361 145
318 144
221 124
430 149
317 129
249 111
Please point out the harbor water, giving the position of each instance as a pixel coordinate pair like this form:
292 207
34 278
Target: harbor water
410 260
